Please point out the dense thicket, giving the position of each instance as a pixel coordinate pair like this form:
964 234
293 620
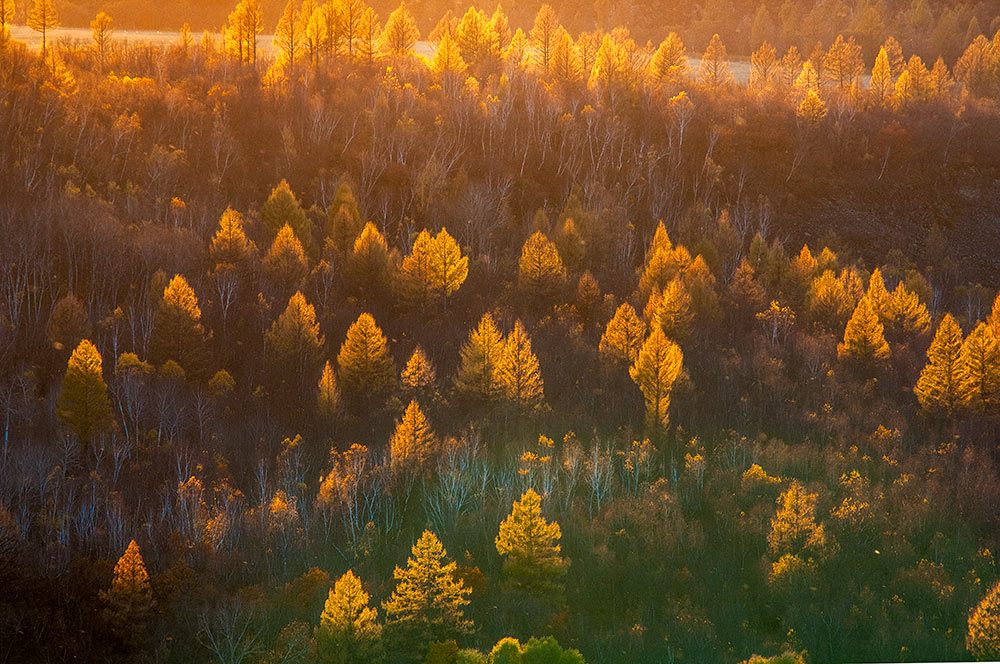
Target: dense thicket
528 328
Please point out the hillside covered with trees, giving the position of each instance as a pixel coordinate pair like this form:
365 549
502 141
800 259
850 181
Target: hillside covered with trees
554 345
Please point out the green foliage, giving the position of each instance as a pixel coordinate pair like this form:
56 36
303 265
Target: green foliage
83 404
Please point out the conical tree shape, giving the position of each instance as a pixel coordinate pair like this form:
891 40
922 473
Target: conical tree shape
43 18
282 207
366 368
447 59
328 399
669 64
714 70
477 373
939 387
993 320
540 271
230 244
864 342
624 335
177 331
428 601
662 265
533 562
130 600
544 36
565 63
518 372
400 34
448 267
877 295
905 314
882 86
348 631
83 404
344 219
286 262
983 636
700 284
415 272
655 371
419 376
979 369
764 68
368 267
413 443
294 348
672 307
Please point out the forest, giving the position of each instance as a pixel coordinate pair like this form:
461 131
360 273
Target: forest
561 343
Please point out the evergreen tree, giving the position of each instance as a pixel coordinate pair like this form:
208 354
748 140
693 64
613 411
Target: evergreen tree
983 637
400 34
366 367
481 355
672 308
939 387
540 271
979 369
894 54
83 404
764 68
428 601
864 343
448 268
533 563
348 631
101 28
130 599
294 349
517 371
413 443
43 18
662 264
565 63
655 370
905 314
177 331
624 335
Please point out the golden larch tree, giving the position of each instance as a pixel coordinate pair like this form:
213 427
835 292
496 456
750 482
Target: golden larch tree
230 244
415 271
624 335
294 348
481 354
655 371
663 264
344 218
714 69
864 340
419 376
288 37
544 35
905 314
413 443
369 38
540 270
517 371
881 86
366 367
286 264
982 639
43 18
672 308
282 207
6 18
369 266
400 34
533 562
348 631
668 68
794 530
448 268
243 25
842 64
83 404
328 397
764 69
101 29
178 334
979 369
939 387
428 603
565 64
130 599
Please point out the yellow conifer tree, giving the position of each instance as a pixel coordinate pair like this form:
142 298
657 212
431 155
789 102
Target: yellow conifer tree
979 369
366 367
517 371
540 271
348 631
939 387
624 335
533 562
83 404
448 268
130 599
177 331
413 443
477 372
655 371
864 343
